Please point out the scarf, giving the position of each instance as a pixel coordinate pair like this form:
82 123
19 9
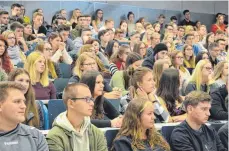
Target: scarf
14 54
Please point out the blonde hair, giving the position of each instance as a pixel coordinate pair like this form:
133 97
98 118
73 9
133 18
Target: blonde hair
6 33
218 70
166 40
37 14
158 70
84 56
85 48
74 14
188 29
30 66
196 76
51 67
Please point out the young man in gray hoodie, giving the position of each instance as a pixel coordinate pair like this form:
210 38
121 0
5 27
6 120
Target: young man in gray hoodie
15 136
72 130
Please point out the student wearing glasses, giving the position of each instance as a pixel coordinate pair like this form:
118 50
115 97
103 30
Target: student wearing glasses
201 79
177 59
54 69
214 52
88 62
72 129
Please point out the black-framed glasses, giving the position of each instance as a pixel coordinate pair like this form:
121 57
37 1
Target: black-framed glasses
87 99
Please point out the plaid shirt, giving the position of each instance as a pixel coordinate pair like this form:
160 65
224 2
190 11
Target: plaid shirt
161 114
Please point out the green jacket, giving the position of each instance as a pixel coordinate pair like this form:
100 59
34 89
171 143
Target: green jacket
117 80
76 32
3 75
61 139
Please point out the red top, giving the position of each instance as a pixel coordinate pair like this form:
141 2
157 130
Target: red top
120 65
215 27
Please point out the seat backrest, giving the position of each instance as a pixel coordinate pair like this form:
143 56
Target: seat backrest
65 70
166 132
115 103
110 136
20 65
60 84
216 126
55 107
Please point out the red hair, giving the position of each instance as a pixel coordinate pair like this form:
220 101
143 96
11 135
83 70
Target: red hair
6 64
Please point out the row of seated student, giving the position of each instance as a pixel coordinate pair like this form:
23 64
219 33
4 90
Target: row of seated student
138 61
72 129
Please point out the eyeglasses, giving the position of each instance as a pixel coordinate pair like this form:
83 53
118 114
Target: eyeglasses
90 64
48 49
180 57
208 68
10 38
142 47
87 99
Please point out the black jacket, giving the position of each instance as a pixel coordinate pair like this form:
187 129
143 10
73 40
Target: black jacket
149 62
185 23
223 134
184 138
110 112
219 110
42 30
124 144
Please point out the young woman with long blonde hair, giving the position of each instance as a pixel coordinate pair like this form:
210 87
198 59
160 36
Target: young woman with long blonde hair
37 67
201 79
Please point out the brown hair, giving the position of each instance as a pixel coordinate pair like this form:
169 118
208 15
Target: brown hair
195 97
137 77
131 126
115 56
30 103
137 47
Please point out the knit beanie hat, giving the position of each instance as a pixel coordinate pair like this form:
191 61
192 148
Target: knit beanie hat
159 47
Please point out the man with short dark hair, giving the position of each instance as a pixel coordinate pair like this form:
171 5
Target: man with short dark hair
104 37
15 136
18 30
4 21
192 134
214 52
173 20
15 13
161 21
72 129
64 32
81 23
187 19
86 34
222 46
